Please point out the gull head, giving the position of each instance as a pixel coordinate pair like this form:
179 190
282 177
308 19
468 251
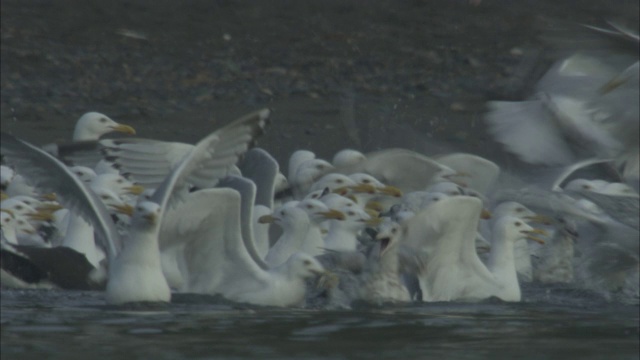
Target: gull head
286 216
348 157
112 201
514 228
319 212
118 183
146 214
85 174
6 218
305 266
388 235
92 125
17 206
512 208
336 182
582 185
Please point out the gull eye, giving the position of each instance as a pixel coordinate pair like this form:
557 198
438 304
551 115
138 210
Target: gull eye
518 223
519 209
6 220
19 207
366 181
586 187
339 181
104 197
394 230
351 213
309 206
119 181
320 167
103 120
306 262
314 196
282 213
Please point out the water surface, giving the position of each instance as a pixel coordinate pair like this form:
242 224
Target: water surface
553 324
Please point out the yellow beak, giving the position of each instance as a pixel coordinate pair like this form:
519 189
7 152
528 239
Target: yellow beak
485 214
374 205
135 189
40 216
124 209
151 218
124 129
266 219
391 191
50 207
530 235
333 214
363 188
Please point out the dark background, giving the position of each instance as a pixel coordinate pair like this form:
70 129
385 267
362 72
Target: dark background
361 74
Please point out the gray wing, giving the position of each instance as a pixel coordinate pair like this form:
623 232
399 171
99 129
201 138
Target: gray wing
624 209
48 173
405 169
145 161
593 168
481 173
247 190
609 228
528 129
212 158
207 228
443 236
259 166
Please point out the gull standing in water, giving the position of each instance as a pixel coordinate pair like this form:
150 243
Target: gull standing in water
135 272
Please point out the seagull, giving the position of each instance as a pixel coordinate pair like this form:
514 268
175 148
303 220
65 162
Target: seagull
218 150
404 169
585 106
88 130
219 255
479 174
381 280
295 225
342 235
92 125
453 270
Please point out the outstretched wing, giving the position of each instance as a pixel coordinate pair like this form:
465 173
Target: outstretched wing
259 166
480 173
145 161
444 236
212 158
214 259
49 174
405 169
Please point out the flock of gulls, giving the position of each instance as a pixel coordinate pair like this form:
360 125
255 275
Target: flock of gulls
142 219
